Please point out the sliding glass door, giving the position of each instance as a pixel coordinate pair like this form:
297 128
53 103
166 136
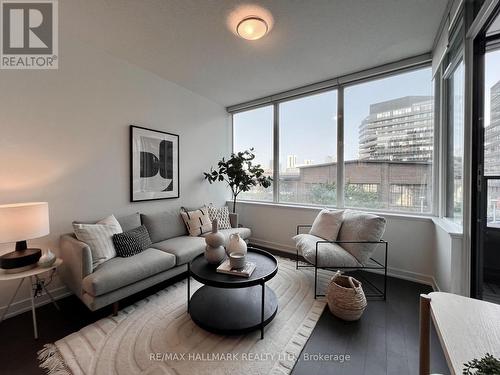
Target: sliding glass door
486 265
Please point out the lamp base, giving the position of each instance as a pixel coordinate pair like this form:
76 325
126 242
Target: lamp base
19 260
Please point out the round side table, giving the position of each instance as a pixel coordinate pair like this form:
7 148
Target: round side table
32 274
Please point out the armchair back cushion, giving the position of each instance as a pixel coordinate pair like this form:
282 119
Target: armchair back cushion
360 226
327 224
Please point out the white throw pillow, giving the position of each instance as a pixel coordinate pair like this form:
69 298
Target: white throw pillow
197 221
327 224
99 237
222 216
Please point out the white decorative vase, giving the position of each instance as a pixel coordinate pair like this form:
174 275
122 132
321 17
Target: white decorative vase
214 251
47 259
236 244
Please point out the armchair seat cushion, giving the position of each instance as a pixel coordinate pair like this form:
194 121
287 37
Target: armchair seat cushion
119 272
184 248
329 254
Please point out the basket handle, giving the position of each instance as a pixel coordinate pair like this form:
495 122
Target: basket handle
352 284
336 274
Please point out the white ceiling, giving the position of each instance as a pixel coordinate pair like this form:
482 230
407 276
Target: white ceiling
189 42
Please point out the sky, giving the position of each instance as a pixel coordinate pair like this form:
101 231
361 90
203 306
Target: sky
308 126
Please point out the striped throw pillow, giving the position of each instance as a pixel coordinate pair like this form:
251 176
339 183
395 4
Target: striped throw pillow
99 238
132 241
197 221
222 216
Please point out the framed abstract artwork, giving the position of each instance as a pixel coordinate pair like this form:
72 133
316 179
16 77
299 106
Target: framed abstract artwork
154 164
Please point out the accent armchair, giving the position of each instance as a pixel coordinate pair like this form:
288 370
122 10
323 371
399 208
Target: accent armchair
359 237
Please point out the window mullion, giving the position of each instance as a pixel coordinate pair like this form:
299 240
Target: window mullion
276 152
340 147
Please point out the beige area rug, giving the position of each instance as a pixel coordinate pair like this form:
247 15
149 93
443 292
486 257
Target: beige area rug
156 336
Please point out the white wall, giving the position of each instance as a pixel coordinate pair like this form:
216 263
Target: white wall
411 239
64 138
449 258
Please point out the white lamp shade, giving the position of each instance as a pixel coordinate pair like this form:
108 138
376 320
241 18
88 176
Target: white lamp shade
23 221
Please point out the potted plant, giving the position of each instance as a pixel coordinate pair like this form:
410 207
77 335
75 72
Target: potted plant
239 173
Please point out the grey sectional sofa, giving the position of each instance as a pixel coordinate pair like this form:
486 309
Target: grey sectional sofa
119 277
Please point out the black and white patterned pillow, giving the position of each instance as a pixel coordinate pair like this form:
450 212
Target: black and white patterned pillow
131 242
222 216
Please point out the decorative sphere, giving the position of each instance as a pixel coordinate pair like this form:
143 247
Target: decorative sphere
215 239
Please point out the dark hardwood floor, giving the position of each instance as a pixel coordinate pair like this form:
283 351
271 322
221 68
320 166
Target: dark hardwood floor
384 341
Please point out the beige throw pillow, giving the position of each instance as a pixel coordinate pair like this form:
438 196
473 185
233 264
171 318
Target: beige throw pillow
327 224
197 221
99 237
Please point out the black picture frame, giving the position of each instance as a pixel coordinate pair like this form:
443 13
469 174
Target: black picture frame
140 189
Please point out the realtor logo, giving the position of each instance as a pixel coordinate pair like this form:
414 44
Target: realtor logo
29 37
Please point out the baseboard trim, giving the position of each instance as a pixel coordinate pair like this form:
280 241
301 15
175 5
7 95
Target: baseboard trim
21 306
391 271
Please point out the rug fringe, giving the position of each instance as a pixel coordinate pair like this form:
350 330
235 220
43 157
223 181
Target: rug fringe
52 361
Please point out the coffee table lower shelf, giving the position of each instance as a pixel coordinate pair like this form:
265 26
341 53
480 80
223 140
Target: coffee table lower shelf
233 311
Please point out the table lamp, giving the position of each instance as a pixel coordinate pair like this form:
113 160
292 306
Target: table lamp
20 222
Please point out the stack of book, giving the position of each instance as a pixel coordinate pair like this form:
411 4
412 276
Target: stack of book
245 271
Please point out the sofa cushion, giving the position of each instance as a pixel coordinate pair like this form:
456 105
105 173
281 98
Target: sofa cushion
130 222
164 225
185 248
244 233
99 237
360 226
119 272
327 224
329 254
221 214
131 242
197 221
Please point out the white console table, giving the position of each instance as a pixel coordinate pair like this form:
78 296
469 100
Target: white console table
467 328
32 274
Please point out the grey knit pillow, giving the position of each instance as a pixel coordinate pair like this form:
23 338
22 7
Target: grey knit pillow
131 242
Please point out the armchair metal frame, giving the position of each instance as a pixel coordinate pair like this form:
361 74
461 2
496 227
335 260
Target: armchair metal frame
378 266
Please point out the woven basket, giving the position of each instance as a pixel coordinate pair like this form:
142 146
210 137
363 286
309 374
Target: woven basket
345 297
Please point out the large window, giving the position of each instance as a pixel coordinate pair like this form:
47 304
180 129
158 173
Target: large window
387 138
308 149
389 141
455 151
254 129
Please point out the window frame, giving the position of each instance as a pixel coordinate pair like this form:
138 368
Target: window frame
339 84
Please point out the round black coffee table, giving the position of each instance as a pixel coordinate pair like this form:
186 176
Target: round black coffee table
229 304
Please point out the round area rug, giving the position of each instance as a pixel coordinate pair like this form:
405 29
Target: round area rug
156 336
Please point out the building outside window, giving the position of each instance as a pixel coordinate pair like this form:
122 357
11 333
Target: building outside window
389 140
388 145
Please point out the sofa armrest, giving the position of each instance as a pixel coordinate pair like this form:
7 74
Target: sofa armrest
77 262
233 219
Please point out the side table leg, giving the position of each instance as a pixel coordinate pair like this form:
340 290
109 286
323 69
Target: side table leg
189 287
12 299
425 326
262 311
48 293
32 295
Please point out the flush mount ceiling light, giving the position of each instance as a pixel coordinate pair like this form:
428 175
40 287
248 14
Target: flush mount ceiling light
252 28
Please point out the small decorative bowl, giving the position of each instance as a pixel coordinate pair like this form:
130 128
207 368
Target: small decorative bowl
237 260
